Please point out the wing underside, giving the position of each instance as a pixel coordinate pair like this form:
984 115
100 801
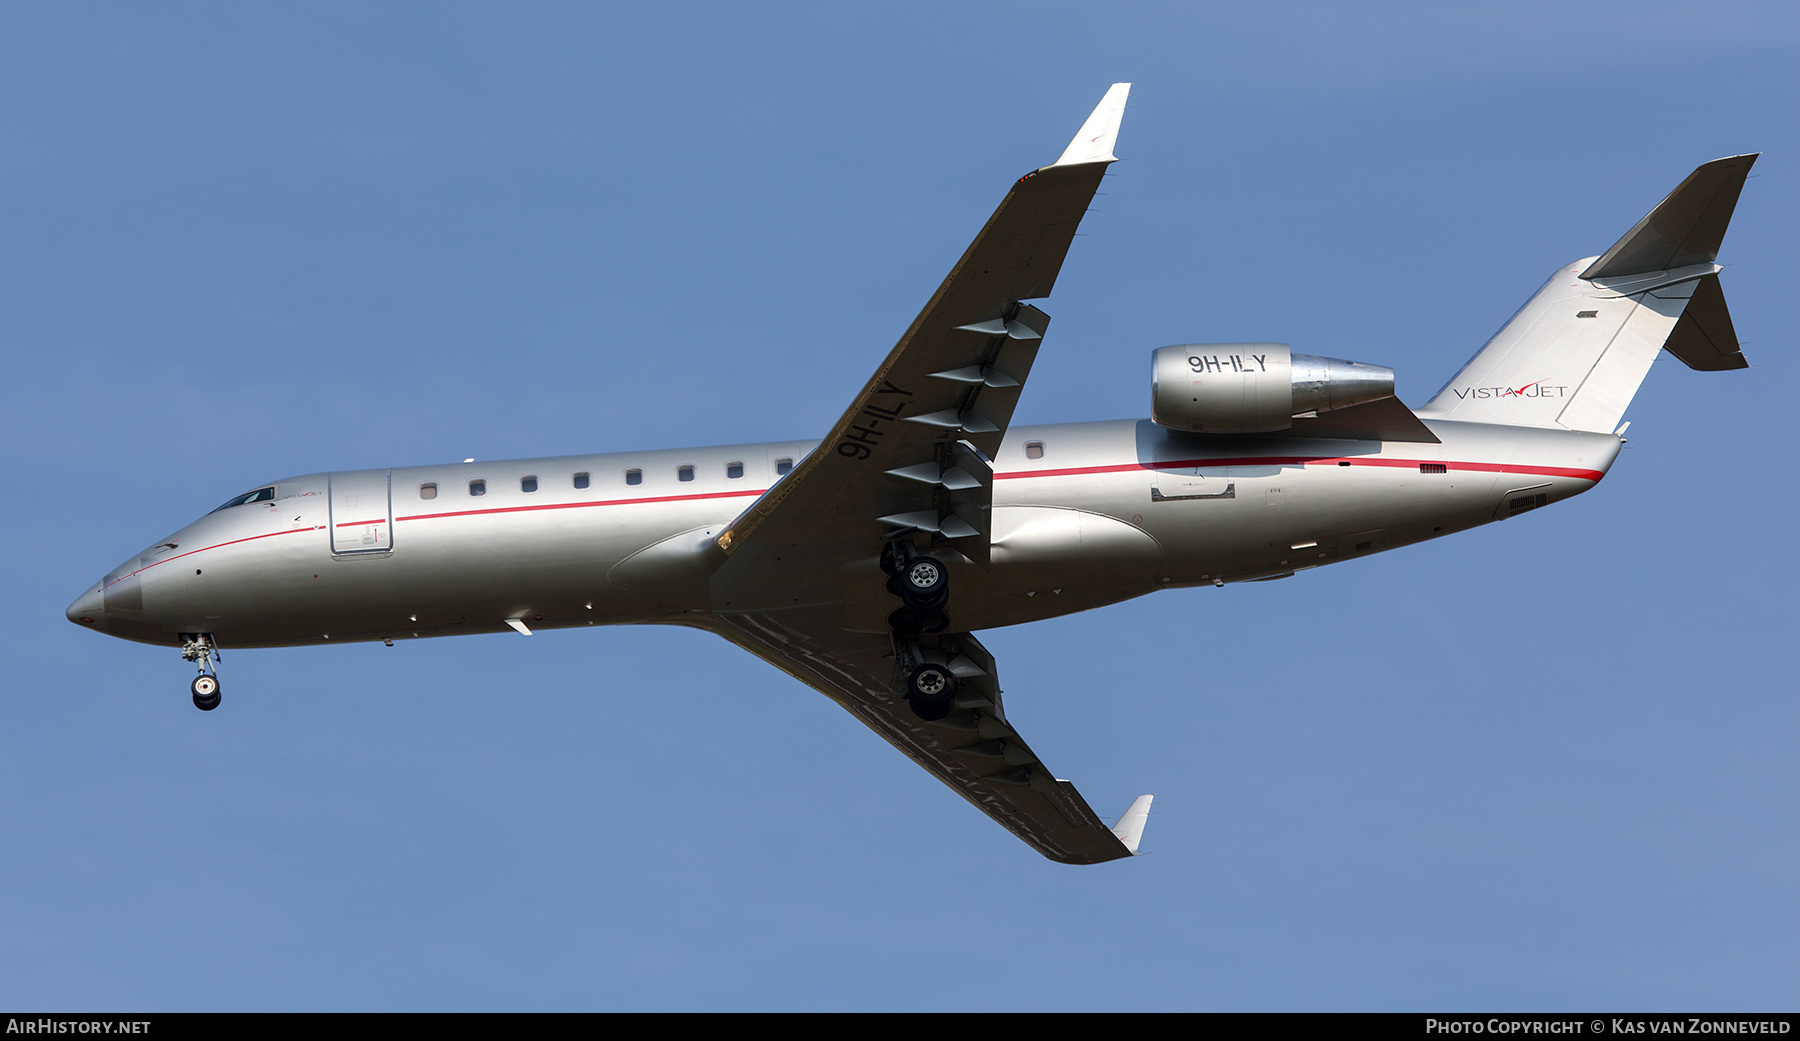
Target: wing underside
975 750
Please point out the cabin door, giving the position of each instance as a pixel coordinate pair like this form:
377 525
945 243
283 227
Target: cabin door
362 512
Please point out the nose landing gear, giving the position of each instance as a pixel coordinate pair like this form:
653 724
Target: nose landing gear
200 649
206 692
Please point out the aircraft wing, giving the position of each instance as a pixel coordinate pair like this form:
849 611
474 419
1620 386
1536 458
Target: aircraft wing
799 585
975 750
908 454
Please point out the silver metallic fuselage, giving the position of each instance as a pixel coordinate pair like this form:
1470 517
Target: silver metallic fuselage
1106 512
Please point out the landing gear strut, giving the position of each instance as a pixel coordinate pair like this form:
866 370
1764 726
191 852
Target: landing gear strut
200 649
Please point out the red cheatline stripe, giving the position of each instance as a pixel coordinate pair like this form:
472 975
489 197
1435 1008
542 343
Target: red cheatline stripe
203 549
1544 471
581 505
467 513
1176 464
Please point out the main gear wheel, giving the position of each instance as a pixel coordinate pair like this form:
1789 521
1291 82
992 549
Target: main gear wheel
931 691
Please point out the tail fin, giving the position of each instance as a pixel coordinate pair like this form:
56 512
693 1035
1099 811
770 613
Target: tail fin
1574 355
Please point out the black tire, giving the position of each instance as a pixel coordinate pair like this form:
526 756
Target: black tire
924 583
206 692
931 691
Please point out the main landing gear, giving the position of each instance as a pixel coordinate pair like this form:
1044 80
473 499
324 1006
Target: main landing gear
931 691
923 585
200 649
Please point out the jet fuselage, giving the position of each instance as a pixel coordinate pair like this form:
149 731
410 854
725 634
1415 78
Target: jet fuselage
1085 514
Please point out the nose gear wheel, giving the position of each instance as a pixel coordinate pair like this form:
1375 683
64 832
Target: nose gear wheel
206 692
200 649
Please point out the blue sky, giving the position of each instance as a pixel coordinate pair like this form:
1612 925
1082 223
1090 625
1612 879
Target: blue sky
1547 764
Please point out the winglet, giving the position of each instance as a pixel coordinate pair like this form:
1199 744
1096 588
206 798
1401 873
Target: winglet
1094 144
1131 826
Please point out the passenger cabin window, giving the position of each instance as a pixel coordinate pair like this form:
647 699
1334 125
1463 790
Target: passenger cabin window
1034 450
428 490
259 495
782 466
528 484
477 487
734 470
581 480
634 477
684 473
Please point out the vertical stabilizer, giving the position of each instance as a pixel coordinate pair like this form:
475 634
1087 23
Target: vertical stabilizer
1576 353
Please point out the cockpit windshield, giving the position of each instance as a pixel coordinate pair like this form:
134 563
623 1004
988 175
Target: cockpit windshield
259 495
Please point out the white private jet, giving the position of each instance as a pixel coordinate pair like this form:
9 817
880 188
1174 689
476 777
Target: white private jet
862 563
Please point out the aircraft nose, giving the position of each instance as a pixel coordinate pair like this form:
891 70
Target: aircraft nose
88 608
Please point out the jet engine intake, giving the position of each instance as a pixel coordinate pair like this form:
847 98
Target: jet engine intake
1248 388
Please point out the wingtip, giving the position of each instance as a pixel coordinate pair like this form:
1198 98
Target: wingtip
1094 142
1130 829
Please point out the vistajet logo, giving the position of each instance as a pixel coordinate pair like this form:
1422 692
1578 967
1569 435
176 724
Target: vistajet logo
1540 389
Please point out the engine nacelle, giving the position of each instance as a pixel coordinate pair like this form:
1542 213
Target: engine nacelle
1247 388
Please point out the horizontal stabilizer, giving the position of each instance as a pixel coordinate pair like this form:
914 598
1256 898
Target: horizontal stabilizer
1704 338
1685 228
1130 828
